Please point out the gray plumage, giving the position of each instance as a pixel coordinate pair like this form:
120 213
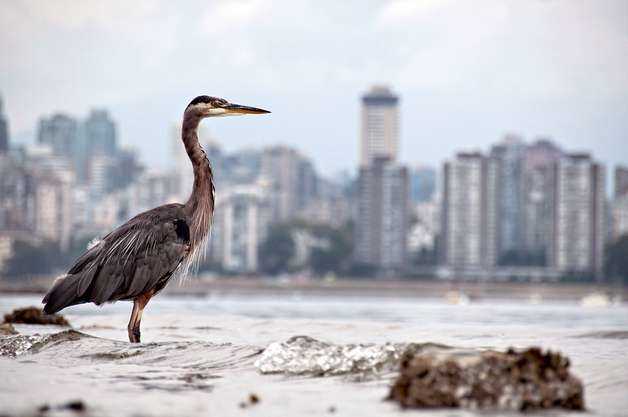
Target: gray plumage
136 261
140 255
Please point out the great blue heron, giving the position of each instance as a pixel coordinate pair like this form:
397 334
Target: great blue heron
136 260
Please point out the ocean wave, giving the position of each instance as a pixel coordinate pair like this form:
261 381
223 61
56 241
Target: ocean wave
304 355
16 345
605 334
71 347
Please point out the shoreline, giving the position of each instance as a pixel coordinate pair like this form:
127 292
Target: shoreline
204 286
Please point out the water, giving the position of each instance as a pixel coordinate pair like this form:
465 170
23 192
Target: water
203 356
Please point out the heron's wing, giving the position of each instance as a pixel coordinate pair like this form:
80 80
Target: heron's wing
137 257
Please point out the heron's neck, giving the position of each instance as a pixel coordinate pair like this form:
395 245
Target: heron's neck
200 205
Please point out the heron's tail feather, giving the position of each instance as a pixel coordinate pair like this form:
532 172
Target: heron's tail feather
66 291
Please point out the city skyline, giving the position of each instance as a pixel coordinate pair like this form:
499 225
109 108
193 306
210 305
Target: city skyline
534 68
518 208
207 133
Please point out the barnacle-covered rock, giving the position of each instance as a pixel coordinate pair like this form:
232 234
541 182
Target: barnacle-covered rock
7 329
34 315
514 380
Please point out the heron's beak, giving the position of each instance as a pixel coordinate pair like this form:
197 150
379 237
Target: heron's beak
236 109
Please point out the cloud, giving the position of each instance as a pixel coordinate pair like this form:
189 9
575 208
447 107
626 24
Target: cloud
494 63
402 11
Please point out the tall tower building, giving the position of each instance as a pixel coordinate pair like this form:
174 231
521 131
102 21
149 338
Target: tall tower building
4 131
579 225
538 195
380 125
383 215
240 225
53 205
621 181
100 133
292 178
619 213
619 209
508 157
469 218
60 132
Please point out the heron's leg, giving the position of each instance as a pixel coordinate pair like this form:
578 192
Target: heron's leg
130 328
136 316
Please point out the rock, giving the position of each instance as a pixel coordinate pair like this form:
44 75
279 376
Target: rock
77 406
252 400
34 315
514 380
7 329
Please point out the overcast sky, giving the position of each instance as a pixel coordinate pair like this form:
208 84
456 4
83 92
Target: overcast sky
467 71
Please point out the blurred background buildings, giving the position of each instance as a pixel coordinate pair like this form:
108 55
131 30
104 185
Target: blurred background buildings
521 210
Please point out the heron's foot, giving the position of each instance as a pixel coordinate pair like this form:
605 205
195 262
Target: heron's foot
134 335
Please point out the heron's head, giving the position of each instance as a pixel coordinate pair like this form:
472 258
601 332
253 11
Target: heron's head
206 106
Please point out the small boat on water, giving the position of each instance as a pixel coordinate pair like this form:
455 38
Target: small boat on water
535 298
596 299
457 297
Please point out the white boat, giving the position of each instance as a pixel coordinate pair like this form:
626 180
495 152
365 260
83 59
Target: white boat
457 298
595 299
535 299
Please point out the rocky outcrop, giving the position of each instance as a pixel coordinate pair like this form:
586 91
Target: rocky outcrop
34 315
512 380
7 329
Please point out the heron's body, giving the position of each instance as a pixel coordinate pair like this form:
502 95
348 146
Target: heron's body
136 261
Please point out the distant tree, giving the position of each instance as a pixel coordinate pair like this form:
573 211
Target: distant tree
34 259
276 250
616 265
522 258
362 270
425 256
336 256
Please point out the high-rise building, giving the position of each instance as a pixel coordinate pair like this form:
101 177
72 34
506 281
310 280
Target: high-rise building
127 169
621 181
60 132
422 184
380 125
240 225
292 178
508 157
101 168
150 190
4 131
100 134
97 140
241 167
469 220
579 225
538 198
16 196
619 213
53 205
383 215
